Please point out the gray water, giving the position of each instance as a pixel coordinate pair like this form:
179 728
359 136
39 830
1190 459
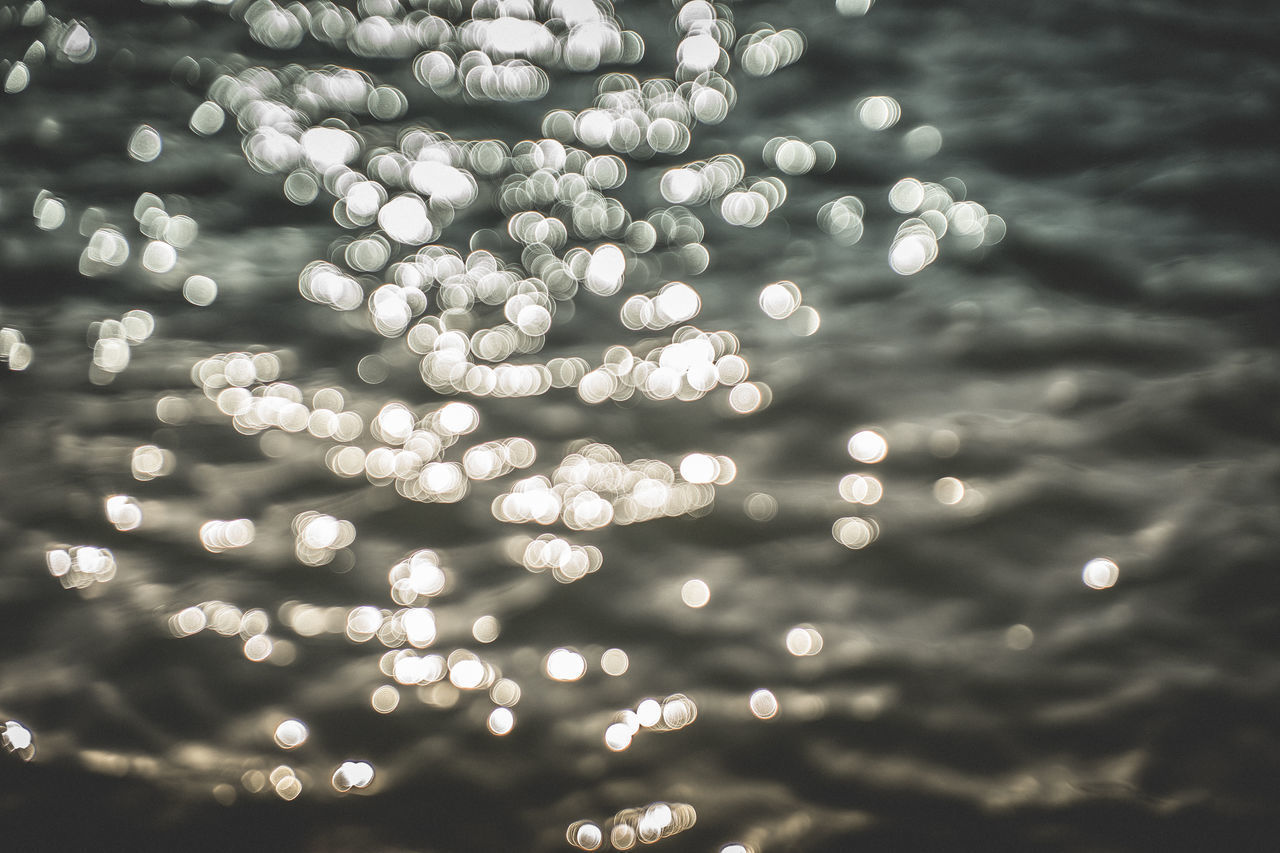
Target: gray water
1086 371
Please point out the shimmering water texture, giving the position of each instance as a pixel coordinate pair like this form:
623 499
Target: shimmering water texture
443 425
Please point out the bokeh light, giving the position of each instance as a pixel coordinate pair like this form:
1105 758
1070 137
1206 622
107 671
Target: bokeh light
1100 573
695 593
868 446
763 704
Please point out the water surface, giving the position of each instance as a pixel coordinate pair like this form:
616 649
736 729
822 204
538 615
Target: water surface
1085 371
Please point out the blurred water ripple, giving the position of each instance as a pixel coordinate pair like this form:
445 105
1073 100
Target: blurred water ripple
435 425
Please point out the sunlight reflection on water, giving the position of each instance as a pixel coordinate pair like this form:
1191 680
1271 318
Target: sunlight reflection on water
536 409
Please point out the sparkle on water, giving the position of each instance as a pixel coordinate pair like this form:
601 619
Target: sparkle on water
695 593
644 824
501 721
763 704
1100 573
868 446
18 740
614 662
290 734
565 665
803 641
472 318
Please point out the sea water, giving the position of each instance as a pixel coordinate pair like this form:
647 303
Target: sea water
441 426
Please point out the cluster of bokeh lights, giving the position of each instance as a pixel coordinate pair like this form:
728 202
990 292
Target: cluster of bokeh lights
549 238
629 827
666 715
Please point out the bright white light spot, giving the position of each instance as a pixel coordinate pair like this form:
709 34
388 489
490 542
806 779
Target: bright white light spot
678 711
258 648
419 627
123 512
108 246
878 113
748 209
353 774
405 220
290 734
218 536
180 231
585 835
648 712
159 256
565 665
190 620
614 662
327 147
321 532
695 593
617 736
467 674
19 353
795 157
860 489
363 623
699 468
207 119
913 251
1100 573
680 185
145 144
676 302
50 213
200 290
763 704
533 320
501 721
459 418
746 397
605 270
949 491
17 78
868 446
854 532
698 53
16 736
78 44
780 300
443 182
385 699
851 8
906 195
485 629
394 423
804 640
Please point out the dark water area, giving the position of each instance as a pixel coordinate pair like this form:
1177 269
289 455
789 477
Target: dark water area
939 508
